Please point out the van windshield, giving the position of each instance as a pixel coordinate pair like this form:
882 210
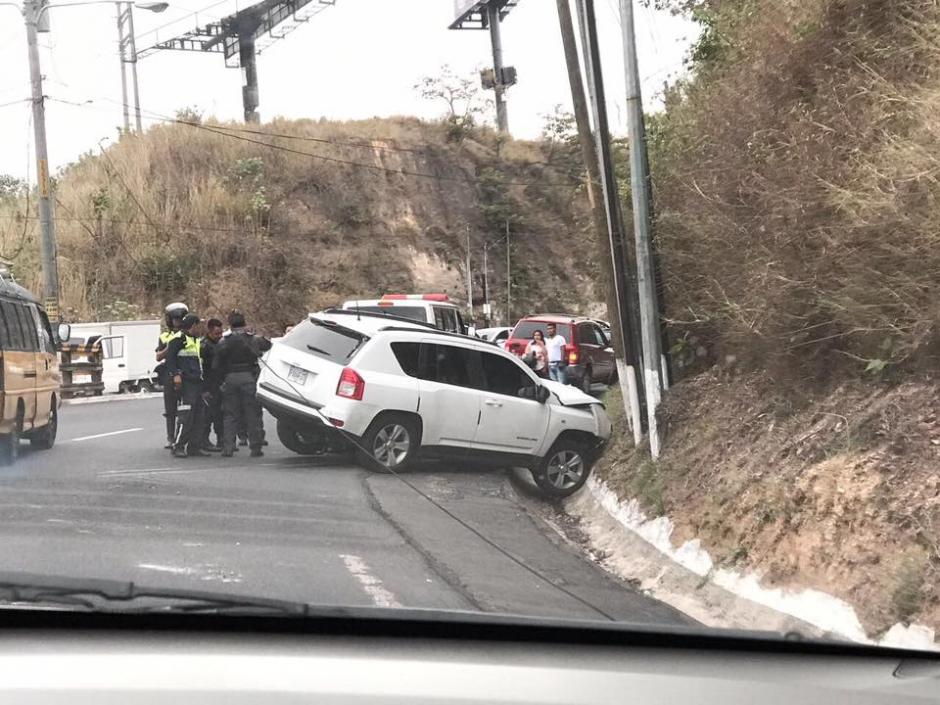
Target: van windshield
415 313
333 343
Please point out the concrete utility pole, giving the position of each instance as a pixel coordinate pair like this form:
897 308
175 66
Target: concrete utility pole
508 280
599 217
133 56
50 272
502 116
469 280
640 190
122 12
622 281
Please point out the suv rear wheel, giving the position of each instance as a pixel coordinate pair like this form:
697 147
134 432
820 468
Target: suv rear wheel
392 441
563 470
298 440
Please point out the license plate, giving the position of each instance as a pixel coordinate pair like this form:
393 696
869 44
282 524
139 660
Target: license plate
298 375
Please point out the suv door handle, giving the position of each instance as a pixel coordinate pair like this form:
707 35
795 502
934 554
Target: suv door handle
493 402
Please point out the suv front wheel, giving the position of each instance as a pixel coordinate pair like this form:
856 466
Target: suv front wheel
392 441
563 470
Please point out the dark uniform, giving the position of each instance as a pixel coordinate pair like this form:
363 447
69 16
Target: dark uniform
184 358
169 392
235 362
214 402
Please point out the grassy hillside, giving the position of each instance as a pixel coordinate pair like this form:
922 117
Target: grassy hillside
797 185
220 217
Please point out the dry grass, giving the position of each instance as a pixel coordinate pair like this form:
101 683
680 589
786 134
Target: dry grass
185 212
797 183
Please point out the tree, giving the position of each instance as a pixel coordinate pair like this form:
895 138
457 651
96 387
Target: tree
462 96
11 187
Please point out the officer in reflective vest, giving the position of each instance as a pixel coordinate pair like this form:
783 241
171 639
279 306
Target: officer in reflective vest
174 316
184 361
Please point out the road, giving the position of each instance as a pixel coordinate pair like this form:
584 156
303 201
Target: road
109 502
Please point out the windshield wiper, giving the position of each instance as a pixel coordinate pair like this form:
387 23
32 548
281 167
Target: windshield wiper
94 594
314 348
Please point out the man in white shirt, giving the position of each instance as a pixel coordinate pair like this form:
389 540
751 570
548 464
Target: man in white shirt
557 365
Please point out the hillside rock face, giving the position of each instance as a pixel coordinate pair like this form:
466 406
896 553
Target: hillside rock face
298 215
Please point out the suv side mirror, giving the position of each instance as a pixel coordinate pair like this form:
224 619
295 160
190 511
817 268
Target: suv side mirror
64 332
542 394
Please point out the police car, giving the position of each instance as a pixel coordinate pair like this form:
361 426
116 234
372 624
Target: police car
397 389
436 309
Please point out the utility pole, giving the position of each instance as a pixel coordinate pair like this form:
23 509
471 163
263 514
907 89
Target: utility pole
246 57
599 216
122 13
133 52
492 17
50 273
639 183
486 287
624 290
508 280
469 280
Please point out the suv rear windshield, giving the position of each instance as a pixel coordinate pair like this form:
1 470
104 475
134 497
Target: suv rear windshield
333 343
415 313
525 329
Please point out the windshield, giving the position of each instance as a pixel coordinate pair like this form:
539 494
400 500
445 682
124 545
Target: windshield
731 204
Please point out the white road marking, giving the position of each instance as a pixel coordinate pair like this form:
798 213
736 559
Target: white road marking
176 570
209 572
360 570
110 433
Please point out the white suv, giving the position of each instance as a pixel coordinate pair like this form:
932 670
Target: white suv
397 389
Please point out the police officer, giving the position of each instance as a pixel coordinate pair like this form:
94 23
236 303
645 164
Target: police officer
173 315
214 401
235 362
184 361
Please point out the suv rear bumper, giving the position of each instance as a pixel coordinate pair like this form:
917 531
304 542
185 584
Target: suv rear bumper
352 416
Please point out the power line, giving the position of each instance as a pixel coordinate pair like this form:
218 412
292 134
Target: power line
336 160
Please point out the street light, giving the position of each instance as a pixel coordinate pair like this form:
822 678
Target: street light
33 11
127 48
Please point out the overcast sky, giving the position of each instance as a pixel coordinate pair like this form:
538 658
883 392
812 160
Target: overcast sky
357 59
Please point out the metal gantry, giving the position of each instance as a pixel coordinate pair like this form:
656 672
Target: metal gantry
239 37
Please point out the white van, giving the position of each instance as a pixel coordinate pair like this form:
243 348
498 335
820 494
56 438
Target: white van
127 349
436 309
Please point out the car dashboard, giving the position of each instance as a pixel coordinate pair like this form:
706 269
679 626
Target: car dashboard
224 660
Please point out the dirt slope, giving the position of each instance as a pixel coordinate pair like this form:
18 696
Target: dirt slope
222 217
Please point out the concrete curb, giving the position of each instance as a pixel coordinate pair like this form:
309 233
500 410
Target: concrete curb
110 398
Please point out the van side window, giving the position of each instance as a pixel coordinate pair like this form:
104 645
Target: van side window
28 326
15 339
439 317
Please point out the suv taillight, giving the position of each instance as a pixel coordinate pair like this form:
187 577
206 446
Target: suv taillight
574 354
351 385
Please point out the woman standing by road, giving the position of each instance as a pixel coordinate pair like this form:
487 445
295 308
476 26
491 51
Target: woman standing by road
538 354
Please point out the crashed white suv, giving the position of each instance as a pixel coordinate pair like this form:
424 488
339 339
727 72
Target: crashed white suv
396 389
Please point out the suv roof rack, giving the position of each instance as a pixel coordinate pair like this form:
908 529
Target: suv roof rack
437 331
377 314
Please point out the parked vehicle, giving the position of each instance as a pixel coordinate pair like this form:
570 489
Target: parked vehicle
589 355
127 353
495 335
436 309
399 390
29 374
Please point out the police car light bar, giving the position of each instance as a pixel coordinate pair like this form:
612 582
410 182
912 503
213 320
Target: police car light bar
418 297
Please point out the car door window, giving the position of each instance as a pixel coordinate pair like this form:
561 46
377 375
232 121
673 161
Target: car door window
112 347
407 355
601 338
439 317
503 376
46 342
449 364
586 334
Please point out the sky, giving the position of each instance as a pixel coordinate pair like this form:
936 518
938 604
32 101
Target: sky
356 59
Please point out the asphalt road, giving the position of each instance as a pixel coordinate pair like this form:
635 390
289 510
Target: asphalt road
108 502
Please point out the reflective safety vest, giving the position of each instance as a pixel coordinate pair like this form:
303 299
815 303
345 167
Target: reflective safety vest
168 335
192 348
